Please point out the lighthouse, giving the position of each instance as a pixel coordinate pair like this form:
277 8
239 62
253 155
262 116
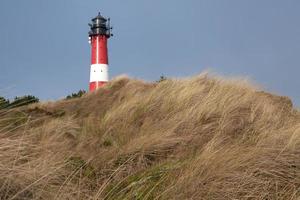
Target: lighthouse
99 34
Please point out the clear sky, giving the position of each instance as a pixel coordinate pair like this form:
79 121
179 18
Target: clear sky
44 48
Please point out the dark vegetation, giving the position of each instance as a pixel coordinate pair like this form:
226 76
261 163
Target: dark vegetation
30 99
80 93
17 102
161 78
4 103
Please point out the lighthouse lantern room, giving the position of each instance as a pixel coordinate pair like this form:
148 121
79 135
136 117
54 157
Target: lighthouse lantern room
98 36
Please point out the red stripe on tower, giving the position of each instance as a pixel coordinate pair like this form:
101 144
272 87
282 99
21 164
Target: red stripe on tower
98 36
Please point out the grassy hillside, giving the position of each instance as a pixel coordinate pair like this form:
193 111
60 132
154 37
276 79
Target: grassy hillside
199 138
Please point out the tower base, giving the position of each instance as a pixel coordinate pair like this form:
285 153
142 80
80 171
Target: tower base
97 84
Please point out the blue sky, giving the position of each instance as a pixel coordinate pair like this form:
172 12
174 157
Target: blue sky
44 48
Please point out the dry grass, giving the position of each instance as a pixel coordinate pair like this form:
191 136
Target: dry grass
199 138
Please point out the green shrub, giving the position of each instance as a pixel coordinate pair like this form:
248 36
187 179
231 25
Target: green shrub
4 103
23 100
161 79
80 93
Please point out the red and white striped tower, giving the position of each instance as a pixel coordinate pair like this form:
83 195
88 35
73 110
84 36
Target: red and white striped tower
98 36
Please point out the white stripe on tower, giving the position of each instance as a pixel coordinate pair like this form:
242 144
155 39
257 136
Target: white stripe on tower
99 72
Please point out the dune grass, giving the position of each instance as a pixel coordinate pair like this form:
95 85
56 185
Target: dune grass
203 137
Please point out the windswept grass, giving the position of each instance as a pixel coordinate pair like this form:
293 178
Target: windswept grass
198 138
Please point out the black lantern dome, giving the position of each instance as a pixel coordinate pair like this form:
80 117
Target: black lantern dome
100 26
